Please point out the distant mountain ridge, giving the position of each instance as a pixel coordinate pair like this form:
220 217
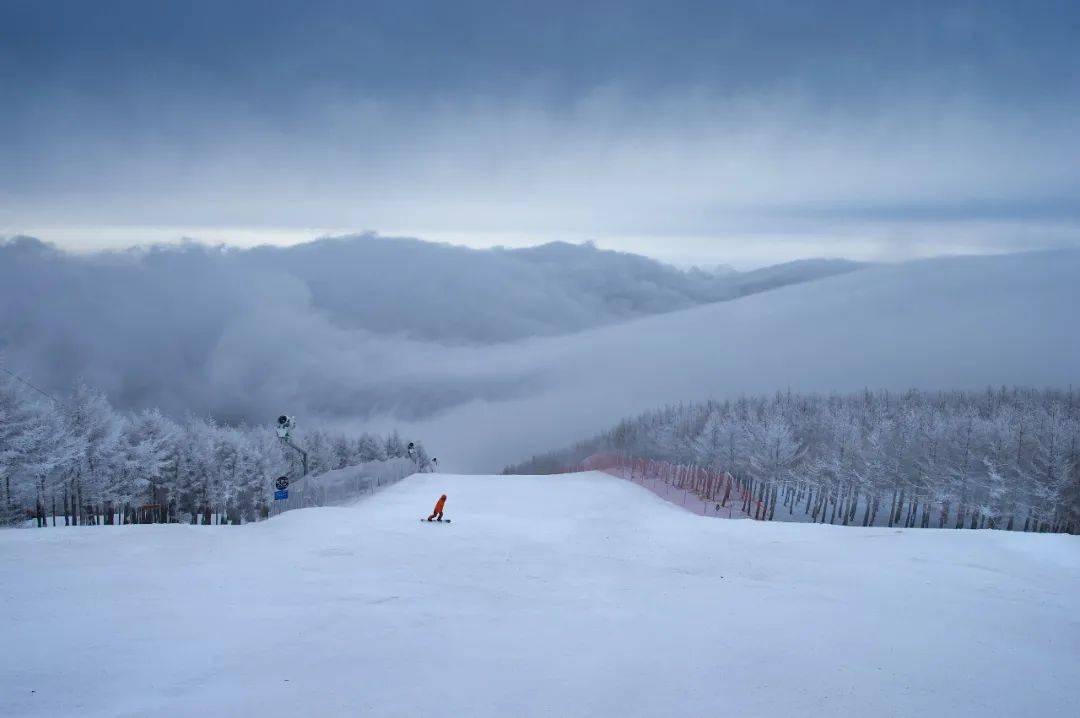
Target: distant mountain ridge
438 292
545 290
234 332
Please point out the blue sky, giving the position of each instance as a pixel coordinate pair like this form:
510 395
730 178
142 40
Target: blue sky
696 132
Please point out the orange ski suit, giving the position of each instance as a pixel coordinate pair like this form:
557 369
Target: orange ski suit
437 513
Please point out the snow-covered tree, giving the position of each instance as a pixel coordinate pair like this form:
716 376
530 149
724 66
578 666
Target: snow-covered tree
33 445
395 447
96 430
1006 458
370 448
81 458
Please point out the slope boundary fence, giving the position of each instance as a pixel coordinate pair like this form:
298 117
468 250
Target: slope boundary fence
700 490
342 486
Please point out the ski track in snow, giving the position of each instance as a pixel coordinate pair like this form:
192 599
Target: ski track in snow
574 595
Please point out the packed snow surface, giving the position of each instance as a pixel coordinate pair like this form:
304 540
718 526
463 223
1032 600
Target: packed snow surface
576 595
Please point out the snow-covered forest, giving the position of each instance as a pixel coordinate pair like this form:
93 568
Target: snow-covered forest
77 460
1004 458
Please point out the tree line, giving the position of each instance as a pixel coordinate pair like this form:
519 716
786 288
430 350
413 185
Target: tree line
79 461
1005 458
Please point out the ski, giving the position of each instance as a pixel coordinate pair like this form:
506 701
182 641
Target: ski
433 521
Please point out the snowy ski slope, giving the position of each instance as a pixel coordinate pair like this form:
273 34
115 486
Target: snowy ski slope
580 595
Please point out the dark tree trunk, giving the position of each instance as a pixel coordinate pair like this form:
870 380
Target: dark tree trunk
899 507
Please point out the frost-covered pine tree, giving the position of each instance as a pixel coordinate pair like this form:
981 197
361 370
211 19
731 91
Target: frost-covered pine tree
95 428
395 447
1003 458
369 448
32 445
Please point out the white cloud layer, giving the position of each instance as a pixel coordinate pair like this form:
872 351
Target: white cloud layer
191 330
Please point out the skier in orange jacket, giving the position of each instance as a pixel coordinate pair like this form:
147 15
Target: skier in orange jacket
437 513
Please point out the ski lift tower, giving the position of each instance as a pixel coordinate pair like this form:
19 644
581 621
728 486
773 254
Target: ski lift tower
285 425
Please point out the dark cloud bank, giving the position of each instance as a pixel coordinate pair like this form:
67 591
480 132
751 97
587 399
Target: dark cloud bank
949 125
